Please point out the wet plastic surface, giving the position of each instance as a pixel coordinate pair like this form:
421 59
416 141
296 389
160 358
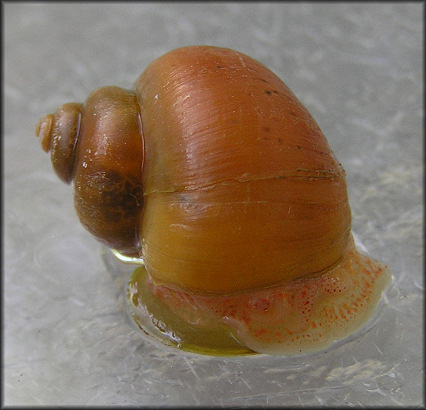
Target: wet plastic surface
67 337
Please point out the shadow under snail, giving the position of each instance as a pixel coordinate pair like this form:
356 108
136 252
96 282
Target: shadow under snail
213 174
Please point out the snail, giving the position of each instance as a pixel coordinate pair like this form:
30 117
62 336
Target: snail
214 176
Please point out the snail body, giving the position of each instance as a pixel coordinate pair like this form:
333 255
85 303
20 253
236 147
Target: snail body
214 174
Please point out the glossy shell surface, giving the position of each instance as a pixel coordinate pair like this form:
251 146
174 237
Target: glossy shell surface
241 188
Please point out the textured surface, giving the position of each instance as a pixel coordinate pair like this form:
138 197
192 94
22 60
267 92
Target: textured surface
357 68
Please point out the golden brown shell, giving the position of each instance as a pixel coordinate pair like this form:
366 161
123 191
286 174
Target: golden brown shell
214 173
241 188
99 145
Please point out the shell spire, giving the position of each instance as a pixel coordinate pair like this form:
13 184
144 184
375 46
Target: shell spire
58 133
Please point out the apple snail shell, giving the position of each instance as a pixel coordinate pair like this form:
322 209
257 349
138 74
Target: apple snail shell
210 170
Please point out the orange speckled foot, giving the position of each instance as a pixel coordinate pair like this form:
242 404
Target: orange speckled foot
296 317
